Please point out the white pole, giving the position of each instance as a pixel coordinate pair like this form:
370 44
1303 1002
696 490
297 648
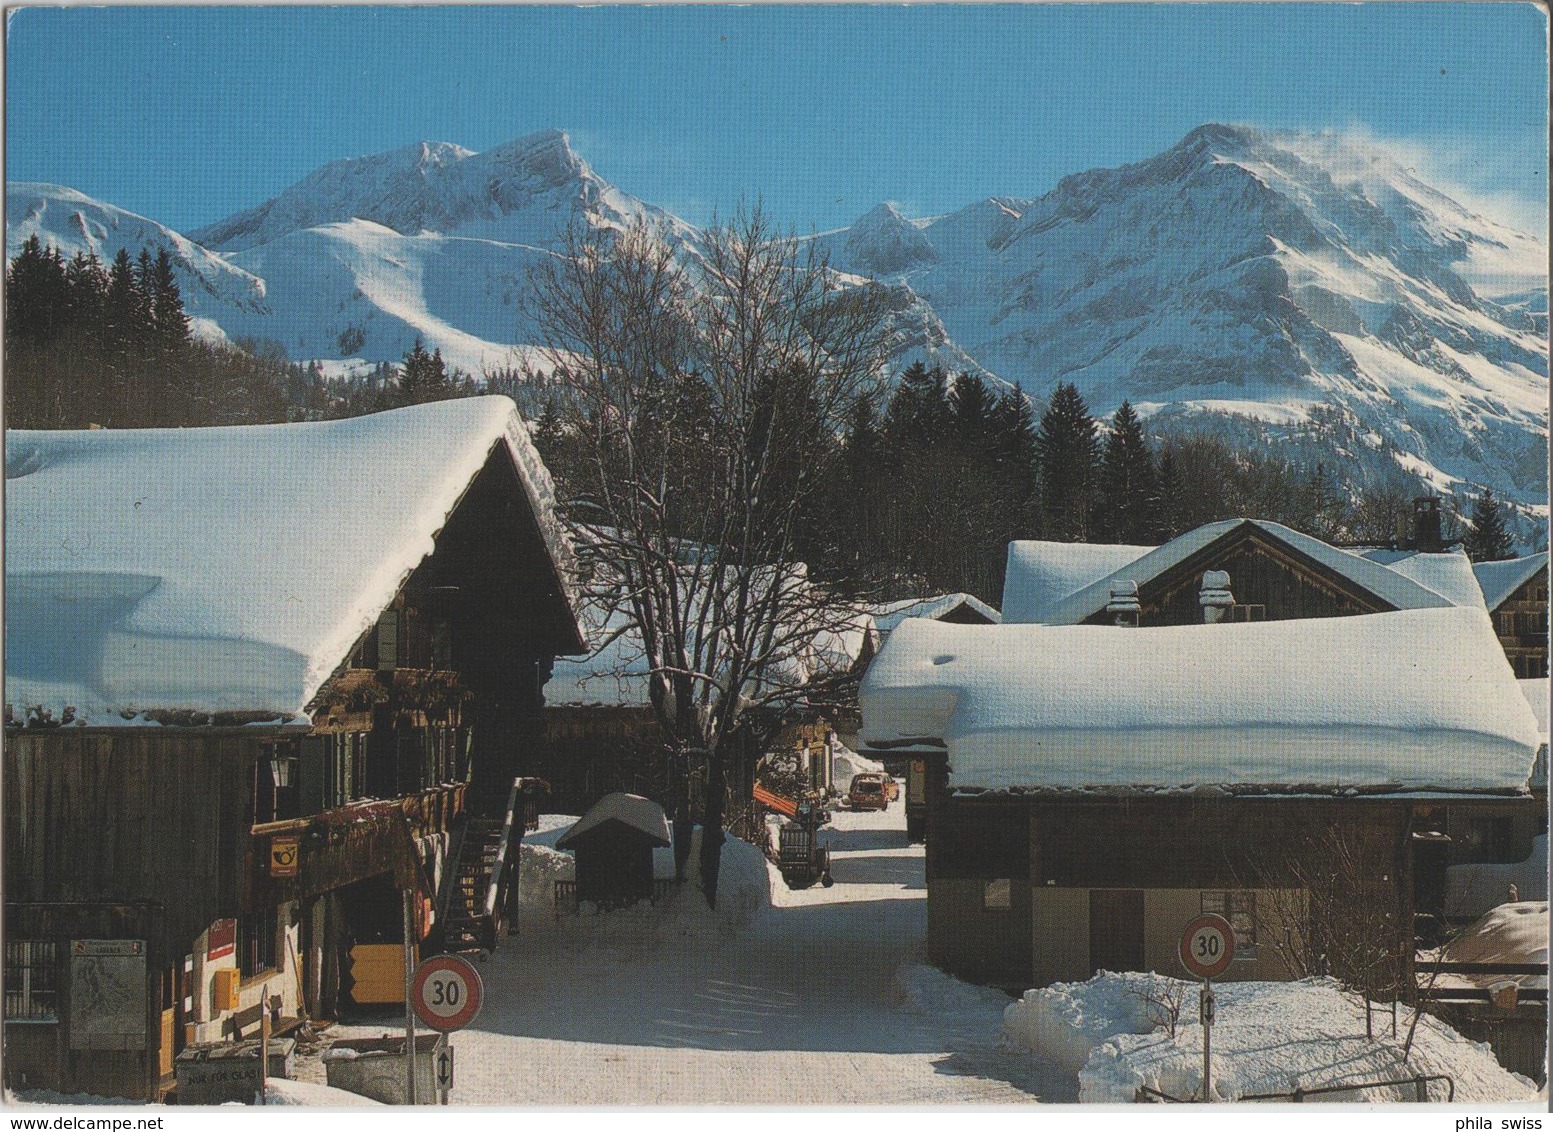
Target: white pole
409 1008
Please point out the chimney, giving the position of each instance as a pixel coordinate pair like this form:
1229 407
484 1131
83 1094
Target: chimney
1215 597
1124 604
1426 525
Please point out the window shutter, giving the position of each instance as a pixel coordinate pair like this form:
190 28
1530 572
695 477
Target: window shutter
388 640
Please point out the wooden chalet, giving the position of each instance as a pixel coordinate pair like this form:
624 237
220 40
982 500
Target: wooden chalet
1104 784
1516 595
602 736
613 843
266 689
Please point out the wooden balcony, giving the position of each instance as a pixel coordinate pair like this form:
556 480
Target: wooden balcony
328 850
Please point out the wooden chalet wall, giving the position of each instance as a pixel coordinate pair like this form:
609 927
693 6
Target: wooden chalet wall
504 635
136 834
1055 852
593 750
1521 621
1262 572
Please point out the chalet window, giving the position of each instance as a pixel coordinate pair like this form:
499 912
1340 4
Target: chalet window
997 895
1239 908
31 981
388 640
346 768
441 644
256 943
1248 613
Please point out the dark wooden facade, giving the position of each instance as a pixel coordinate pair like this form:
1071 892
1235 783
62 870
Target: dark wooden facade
1026 890
1271 581
1521 621
164 834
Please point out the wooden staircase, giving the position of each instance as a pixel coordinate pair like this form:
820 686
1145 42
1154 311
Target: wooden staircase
474 895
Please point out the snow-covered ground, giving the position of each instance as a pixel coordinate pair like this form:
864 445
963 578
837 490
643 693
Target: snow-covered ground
1268 1038
818 999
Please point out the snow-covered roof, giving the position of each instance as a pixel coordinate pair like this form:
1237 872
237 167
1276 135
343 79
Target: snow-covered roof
1536 693
230 569
1040 574
1420 699
633 810
1449 574
617 673
891 614
1394 588
1501 579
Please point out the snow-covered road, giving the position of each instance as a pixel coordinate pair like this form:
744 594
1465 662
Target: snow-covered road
802 1006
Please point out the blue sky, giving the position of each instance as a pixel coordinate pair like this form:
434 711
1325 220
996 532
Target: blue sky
187 115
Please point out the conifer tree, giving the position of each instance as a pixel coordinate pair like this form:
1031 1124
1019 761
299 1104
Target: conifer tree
1068 453
423 377
1488 540
1165 505
1124 511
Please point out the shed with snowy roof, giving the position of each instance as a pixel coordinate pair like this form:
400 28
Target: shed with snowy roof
1103 784
613 844
256 679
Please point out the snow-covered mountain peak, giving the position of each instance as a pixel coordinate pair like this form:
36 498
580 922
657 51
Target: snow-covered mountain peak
883 242
431 187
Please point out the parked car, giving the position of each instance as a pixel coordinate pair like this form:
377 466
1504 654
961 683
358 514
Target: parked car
870 792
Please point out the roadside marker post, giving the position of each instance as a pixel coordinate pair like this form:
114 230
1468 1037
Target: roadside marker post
1207 948
446 994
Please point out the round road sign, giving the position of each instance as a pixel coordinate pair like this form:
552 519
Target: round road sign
447 993
1207 946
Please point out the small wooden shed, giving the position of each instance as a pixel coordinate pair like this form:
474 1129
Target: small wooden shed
613 844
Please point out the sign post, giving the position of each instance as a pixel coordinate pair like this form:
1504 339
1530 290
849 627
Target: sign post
446 994
1207 948
409 1012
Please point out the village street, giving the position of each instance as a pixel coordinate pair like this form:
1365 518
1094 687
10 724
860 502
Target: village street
808 1004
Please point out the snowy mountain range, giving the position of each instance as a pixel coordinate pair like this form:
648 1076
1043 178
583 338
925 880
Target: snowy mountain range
1269 286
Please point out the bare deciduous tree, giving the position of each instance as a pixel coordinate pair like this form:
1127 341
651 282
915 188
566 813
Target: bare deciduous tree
703 390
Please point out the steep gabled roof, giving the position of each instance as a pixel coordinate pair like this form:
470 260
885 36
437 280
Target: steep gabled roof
891 614
1501 579
1040 574
233 569
1418 699
1449 573
1387 585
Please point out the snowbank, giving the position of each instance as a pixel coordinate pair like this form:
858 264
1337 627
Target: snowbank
280 1091
846 764
1378 704
1067 1022
167 569
1267 1038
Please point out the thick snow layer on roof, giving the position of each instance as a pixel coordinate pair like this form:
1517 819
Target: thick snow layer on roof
1449 574
1416 699
1040 574
1536 693
229 569
629 809
1390 586
891 614
1509 933
1499 580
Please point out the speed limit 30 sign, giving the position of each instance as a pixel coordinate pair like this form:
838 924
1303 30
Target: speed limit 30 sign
447 993
1207 946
